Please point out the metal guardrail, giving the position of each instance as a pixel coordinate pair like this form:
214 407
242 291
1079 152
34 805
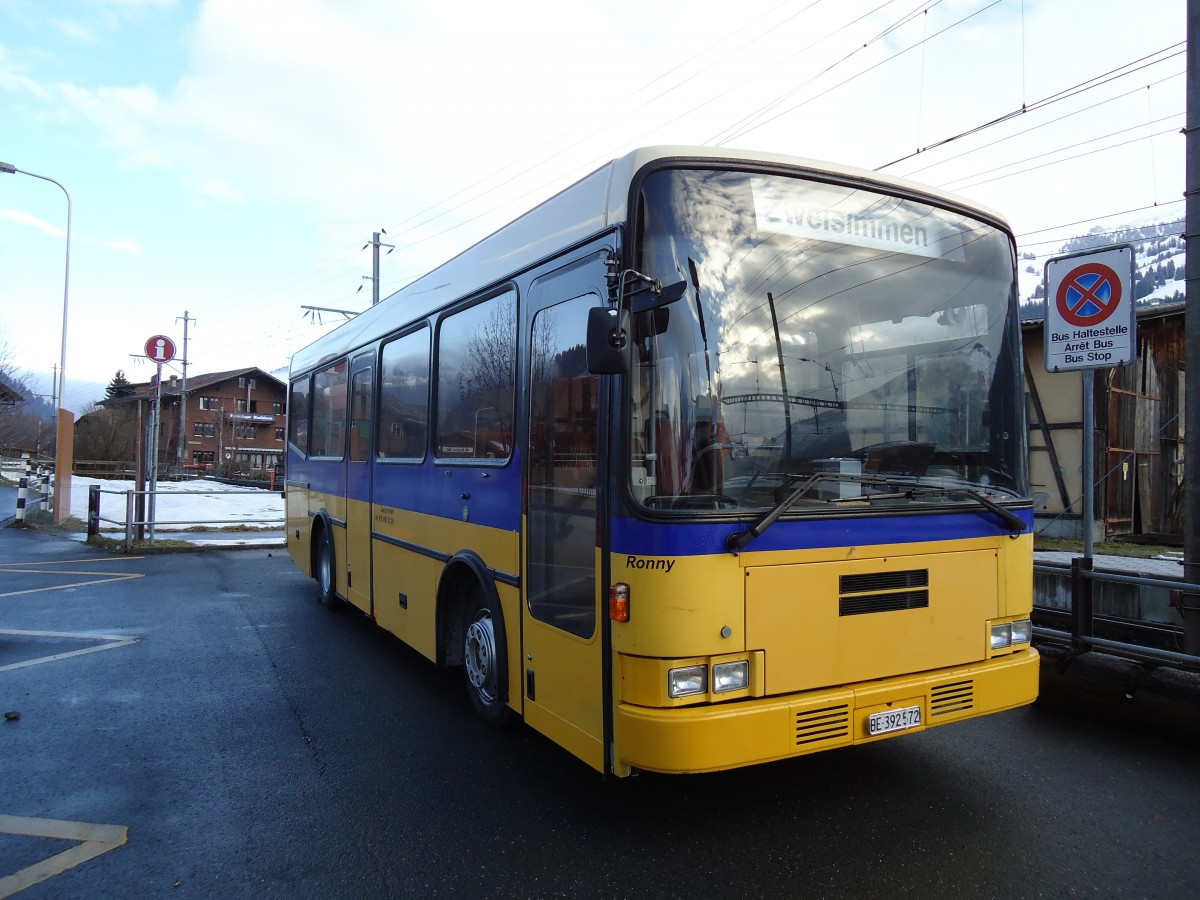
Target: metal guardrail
132 523
1082 636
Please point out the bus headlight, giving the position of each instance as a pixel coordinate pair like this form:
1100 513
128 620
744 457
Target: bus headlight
730 676
1010 633
686 681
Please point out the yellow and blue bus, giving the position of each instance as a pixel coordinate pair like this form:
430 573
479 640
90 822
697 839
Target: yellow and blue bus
709 460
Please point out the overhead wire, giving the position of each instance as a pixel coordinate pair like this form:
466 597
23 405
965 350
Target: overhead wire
972 184
1103 78
1045 124
858 75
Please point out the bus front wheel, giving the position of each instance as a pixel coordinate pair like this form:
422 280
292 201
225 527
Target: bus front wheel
484 663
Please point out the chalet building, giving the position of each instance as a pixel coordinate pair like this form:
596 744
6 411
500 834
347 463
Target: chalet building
233 422
1139 434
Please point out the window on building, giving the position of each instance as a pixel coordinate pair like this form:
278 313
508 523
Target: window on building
213 403
279 434
204 429
277 409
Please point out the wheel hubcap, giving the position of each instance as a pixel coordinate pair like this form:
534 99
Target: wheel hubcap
326 570
480 655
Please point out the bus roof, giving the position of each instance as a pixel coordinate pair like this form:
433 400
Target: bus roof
590 206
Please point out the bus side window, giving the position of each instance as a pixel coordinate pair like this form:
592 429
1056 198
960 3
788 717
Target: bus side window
404 397
476 380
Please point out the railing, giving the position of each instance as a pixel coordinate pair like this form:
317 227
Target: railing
133 523
1083 623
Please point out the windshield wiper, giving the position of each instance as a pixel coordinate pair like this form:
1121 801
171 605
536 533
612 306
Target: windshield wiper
1007 516
739 539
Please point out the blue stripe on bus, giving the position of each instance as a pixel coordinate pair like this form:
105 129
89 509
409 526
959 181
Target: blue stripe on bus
493 492
692 539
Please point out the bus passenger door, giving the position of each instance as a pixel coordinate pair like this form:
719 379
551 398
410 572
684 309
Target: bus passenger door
358 483
562 659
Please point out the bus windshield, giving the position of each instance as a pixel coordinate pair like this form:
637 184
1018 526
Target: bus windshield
826 330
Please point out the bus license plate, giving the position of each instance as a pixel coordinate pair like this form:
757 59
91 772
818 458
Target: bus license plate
894 720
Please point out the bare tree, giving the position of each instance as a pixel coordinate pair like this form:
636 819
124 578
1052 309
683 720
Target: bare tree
23 425
106 434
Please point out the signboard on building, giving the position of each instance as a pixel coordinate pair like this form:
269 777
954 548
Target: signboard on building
1090 316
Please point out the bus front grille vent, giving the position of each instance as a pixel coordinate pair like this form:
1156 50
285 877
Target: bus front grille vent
875 603
827 724
957 696
884 581
876 592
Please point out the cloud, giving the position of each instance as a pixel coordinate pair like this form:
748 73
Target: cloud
14 79
126 116
130 247
23 218
76 31
220 189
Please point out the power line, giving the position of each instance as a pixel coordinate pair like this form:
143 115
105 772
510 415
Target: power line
1061 149
858 75
757 76
1032 128
1094 219
1063 160
1103 78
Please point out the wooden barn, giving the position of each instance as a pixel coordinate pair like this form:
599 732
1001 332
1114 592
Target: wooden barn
1138 442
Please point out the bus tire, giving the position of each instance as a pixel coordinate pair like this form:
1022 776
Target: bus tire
485 663
326 583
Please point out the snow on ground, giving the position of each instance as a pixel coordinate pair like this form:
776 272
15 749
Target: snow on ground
181 505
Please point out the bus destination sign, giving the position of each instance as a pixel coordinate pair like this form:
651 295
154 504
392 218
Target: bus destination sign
1090 317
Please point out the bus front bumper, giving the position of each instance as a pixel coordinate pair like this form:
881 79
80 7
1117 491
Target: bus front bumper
725 736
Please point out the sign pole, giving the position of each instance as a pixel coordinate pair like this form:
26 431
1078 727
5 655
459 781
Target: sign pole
160 349
1089 462
154 420
1091 324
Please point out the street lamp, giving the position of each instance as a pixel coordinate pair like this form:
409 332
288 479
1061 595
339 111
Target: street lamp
66 435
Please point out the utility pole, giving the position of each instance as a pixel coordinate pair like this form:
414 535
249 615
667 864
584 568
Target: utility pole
1191 406
183 393
374 244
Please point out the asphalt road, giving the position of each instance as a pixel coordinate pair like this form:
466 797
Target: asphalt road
238 740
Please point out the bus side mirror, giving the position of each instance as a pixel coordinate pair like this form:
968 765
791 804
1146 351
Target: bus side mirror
607 340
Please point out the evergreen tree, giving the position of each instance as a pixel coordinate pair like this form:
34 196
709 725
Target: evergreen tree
118 387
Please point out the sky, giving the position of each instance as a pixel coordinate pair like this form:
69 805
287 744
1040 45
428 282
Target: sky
228 160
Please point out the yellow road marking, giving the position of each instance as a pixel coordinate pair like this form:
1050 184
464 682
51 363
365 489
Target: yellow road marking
43 568
114 641
94 840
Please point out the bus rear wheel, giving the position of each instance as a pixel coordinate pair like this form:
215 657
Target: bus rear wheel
327 592
484 664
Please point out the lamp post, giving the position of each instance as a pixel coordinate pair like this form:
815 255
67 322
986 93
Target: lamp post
64 454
